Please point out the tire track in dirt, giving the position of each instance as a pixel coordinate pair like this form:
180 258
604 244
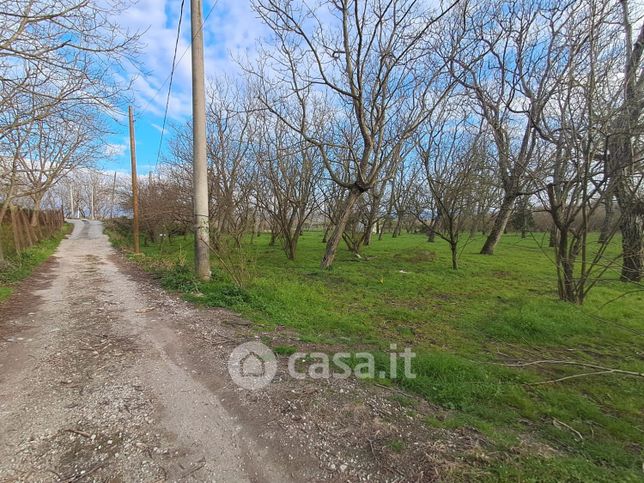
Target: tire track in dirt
93 385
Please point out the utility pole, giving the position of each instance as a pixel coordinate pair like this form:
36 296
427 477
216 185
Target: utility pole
135 184
199 160
112 201
91 200
71 201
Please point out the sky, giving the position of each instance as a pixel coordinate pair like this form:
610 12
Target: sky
230 32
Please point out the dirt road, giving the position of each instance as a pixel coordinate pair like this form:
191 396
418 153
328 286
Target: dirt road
95 382
106 377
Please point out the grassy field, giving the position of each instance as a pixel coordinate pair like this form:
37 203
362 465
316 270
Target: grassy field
19 267
466 327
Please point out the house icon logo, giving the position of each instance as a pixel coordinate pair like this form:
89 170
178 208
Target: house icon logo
252 365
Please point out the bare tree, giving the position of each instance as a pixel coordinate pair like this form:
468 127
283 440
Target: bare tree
453 155
230 136
289 174
625 153
496 52
59 72
365 57
62 51
59 145
578 130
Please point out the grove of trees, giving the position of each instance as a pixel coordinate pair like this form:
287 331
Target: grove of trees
366 117
362 117
59 66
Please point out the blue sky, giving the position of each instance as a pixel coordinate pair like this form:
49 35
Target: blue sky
231 32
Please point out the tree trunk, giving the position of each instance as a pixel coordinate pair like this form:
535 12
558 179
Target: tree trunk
607 224
553 237
622 167
27 227
291 238
45 224
326 233
498 228
382 229
629 225
397 227
454 249
565 267
35 214
290 246
336 235
371 221
17 238
631 232
3 211
567 290
34 222
631 247
367 235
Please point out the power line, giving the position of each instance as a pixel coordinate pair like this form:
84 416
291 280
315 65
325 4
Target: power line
198 31
212 9
167 101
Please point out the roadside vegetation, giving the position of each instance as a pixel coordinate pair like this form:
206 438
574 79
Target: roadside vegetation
358 124
479 332
17 267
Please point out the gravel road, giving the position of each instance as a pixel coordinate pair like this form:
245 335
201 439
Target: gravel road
104 376
95 382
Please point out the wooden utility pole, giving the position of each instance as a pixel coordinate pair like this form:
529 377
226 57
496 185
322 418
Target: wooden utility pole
199 160
135 185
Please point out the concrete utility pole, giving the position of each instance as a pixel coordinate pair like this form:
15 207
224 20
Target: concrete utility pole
135 184
112 201
199 161
71 201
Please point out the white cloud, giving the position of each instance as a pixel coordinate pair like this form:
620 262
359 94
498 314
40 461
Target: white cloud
230 33
113 149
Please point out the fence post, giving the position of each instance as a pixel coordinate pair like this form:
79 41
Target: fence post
1 247
27 227
36 225
17 242
2 217
46 222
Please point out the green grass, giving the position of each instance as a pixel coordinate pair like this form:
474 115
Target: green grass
464 325
19 267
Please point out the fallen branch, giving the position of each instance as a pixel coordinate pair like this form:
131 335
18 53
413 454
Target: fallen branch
223 339
558 425
602 369
574 376
194 470
81 433
144 311
80 476
394 389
